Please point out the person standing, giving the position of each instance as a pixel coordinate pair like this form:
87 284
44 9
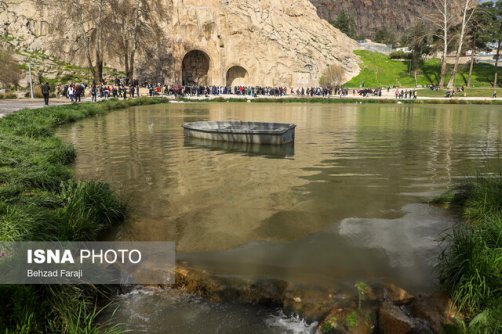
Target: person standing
71 92
46 89
94 92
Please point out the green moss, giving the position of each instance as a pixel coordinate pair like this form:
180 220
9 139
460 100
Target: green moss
330 324
352 320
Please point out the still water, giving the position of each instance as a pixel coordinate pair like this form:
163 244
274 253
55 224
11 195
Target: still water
347 202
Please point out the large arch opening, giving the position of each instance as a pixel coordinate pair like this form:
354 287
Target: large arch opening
237 76
195 68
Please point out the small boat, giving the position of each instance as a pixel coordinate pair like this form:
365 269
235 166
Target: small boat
242 132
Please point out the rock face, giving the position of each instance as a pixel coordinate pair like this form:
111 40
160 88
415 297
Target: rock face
226 42
372 15
272 43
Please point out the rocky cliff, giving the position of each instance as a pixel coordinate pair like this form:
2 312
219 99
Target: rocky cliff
373 15
222 42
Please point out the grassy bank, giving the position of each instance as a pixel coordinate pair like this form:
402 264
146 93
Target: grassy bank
378 70
469 92
340 100
39 201
470 267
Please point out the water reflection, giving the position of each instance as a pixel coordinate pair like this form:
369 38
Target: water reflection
268 151
364 161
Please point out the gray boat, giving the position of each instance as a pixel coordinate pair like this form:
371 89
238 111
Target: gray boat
242 132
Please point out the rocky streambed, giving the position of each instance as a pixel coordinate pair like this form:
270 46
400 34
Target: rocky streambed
366 308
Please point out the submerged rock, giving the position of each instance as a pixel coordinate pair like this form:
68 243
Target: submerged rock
437 310
388 291
393 319
266 292
348 320
312 303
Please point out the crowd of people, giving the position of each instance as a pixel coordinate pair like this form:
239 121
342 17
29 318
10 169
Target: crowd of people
122 88
75 91
405 94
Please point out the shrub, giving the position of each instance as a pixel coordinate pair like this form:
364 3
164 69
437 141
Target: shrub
8 96
400 55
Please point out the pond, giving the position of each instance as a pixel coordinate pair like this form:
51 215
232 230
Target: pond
347 202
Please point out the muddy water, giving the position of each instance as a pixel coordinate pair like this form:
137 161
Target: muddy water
345 203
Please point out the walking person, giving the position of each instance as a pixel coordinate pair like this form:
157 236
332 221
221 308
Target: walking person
494 95
46 89
71 92
94 92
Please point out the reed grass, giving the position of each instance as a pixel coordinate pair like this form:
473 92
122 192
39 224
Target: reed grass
40 201
470 266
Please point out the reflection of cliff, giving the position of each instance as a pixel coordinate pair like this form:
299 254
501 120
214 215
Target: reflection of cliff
227 42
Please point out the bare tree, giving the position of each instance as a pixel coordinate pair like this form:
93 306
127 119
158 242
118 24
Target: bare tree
332 76
9 68
137 28
468 11
441 17
80 29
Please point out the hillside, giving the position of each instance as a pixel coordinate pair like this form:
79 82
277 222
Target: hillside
371 15
378 70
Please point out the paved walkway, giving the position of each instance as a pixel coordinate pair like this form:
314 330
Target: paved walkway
9 106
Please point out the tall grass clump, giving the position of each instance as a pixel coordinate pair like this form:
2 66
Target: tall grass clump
470 267
40 201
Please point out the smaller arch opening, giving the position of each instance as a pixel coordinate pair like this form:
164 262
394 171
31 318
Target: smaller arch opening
237 76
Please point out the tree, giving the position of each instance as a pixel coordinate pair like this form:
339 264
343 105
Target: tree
469 8
136 28
479 33
497 36
418 40
9 68
441 18
385 36
332 76
346 24
81 30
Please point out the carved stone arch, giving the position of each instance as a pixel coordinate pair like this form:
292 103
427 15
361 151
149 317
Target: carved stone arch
195 68
237 76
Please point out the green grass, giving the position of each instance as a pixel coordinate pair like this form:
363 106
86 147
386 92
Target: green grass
338 100
40 201
378 70
470 267
469 92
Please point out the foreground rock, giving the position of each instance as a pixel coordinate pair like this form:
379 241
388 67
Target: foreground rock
383 308
437 310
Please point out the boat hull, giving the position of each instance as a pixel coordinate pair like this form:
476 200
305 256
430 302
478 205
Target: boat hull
242 132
